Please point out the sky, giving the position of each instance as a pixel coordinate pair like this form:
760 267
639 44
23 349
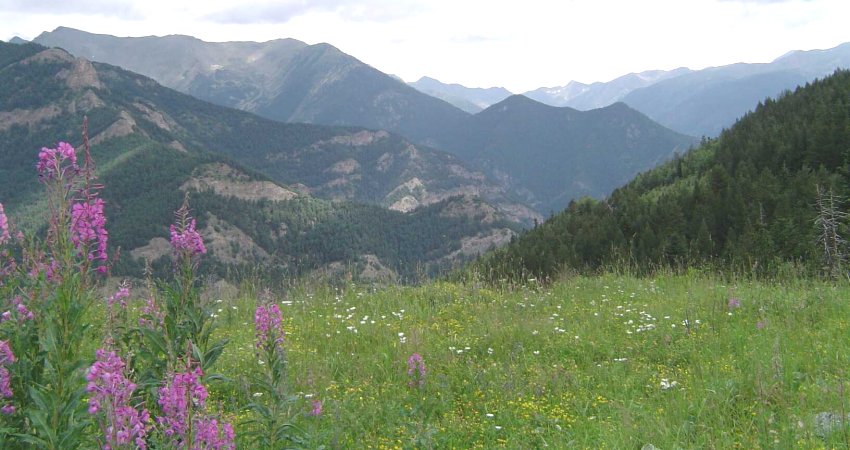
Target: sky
518 44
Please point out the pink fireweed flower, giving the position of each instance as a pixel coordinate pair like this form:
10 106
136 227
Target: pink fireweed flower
316 410
268 326
4 226
22 313
121 297
209 436
56 162
416 370
110 396
152 316
733 303
88 229
6 359
183 394
187 240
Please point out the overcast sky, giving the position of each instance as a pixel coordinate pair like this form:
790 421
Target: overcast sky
518 44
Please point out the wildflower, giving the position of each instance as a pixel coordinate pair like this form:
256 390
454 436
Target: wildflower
208 435
6 358
416 370
152 316
316 408
761 324
268 326
88 227
121 297
185 240
182 393
110 395
734 303
4 226
55 162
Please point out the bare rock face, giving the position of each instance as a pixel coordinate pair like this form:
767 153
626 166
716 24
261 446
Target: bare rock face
27 117
125 125
229 244
227 181
82 75
156 248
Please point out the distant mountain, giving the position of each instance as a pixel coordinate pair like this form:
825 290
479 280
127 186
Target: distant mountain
471 100
747 201
558 154
703 102
598 95
17 40
284 79
251 178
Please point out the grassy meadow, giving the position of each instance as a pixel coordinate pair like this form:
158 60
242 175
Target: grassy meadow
610 361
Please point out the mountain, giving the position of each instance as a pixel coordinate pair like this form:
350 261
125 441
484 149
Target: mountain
251 179
702 103
553 155
758 199
471 100
17 40
285 79
600 94
291 81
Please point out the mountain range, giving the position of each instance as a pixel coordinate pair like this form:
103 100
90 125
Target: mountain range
692 102
471 100
254 182
291 81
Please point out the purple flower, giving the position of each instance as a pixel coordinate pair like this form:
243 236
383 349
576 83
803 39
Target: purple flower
185 240
56 162
121 297
152 316
4 226
21 311
733 303
208 435
6 359
110 393
88 229
761 324
268 326
316 408
416 370
183 393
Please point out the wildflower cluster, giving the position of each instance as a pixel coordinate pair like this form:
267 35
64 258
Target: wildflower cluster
110 395
6 358
119 297
416 370
88 230
21 311
57 162
183 401
268 326
4 226
185 240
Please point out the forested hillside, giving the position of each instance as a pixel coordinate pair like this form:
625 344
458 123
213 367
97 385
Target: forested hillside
748 199
152 146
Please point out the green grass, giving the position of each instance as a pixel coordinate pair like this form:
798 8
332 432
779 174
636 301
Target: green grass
582 363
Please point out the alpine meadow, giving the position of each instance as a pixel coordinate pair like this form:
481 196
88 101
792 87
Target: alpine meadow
274 245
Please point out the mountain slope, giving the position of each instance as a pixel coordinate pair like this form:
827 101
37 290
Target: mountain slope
471 100
747 200
153 144
284 80
559 154
703 102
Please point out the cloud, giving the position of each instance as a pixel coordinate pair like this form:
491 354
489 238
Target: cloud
279 12
123 9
